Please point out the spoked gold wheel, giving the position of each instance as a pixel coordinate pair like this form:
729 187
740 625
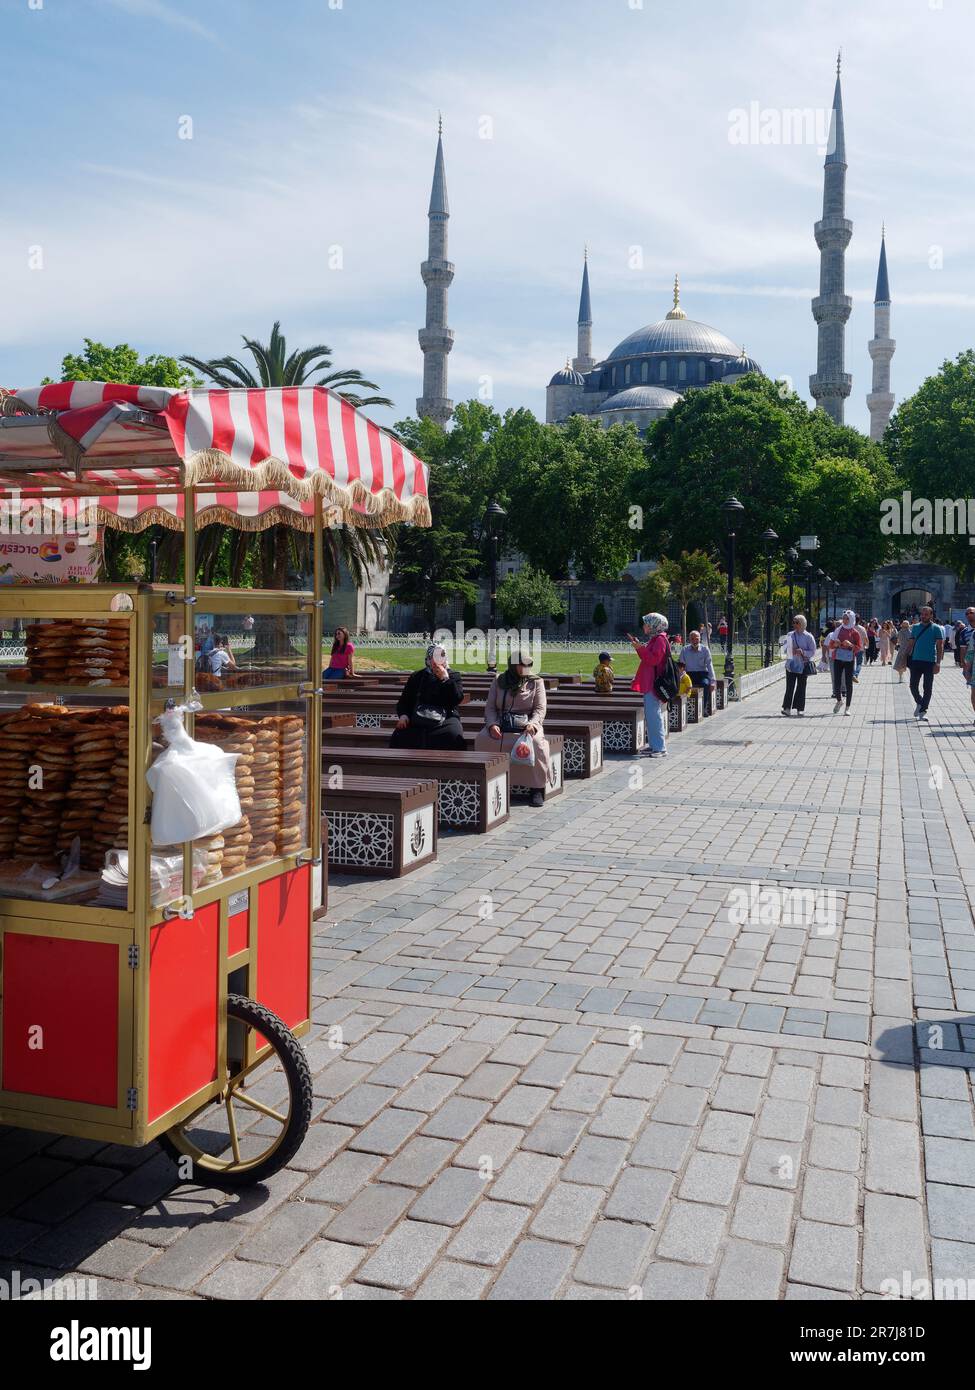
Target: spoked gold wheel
259 1119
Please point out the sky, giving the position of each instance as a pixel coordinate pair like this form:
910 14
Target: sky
180 173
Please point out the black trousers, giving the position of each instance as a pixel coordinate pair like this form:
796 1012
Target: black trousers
795 690
843 679
922 674
449 736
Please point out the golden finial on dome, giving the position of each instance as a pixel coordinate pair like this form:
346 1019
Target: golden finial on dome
677 312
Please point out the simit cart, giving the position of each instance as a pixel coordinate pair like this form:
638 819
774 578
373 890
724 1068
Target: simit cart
158 992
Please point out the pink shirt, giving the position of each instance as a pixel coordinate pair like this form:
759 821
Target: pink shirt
653 654
339 661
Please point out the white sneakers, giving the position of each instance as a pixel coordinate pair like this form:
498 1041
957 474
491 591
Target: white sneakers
847 713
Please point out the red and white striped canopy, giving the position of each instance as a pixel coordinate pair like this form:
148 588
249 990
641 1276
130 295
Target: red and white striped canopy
255 457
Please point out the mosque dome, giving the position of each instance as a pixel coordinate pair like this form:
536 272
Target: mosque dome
679 335
567 377
641 398
742 365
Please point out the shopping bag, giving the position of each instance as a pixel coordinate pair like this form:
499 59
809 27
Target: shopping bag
523 751
194 791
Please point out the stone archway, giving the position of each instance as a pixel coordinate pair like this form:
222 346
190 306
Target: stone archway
913 578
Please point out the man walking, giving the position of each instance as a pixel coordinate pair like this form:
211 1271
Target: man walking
927 646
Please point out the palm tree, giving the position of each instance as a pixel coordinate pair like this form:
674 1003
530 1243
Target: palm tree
279 548
274 368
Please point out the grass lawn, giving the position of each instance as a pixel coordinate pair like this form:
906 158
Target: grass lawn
557 661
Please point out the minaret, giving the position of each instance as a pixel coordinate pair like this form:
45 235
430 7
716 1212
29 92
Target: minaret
584 359
437 273
881 347
831 308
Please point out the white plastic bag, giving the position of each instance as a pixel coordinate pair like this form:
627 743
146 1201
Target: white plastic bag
523 751
194 792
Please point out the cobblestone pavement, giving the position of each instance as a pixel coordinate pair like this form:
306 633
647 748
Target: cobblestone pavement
603 1053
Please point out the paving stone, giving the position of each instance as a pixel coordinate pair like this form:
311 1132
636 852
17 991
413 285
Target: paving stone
461 1058
951 1212
522 1105
680 1105
449 1197
775 1164
749 1272
638 1080
280 1240
360 1105
238 1280
405 1255
489 1081
190 1258
837 1105
450 1281
676 1283
782 1119
749 1060
568 1212
641 1194
834 1147
370 1215
489 1232
555 1133
893 1157
619 1118
549 1068
614 1255
824 1255
489 1147
457 1119
389 1131
763 1214
952 1119
414 1166
740 1093
535 1273
830 1196
427 1093
950 1161
893 1240
725 1132
843 1071
791 1083
596 1161
692 1233
526 1178
662 1146
583 1093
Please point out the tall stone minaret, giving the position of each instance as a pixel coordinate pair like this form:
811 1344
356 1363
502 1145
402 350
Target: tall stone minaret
881 347
437 273
584 360
831 385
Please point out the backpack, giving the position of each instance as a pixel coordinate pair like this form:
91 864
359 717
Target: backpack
667 684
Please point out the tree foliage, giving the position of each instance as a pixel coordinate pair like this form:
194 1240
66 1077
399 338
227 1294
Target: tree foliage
527 593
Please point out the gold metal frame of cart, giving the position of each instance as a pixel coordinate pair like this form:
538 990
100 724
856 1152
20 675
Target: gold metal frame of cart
131 927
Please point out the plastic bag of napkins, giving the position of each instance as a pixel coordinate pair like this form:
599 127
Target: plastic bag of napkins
194 792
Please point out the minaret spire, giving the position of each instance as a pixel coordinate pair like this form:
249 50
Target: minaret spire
881 347
830 385
437 273
584 359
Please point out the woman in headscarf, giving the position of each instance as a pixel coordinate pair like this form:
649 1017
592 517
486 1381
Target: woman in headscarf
516 705
842 647
653 655
427 708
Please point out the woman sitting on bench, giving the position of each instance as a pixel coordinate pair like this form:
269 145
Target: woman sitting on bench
427 708
515 706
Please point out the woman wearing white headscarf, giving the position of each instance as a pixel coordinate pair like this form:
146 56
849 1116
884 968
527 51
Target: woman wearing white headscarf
427 708
653 654
516 706
841 647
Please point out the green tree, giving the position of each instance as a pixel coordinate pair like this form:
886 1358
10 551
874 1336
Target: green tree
931 442
691 574
599 617
99 362
740 439
652 594
526 592
840 504
435 564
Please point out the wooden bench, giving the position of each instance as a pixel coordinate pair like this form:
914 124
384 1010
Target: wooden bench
379 738
474 788
624 724
381 826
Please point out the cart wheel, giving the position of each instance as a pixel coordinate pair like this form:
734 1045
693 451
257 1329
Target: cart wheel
260 1137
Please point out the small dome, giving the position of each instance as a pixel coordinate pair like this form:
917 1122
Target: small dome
741 366
641 398
567 377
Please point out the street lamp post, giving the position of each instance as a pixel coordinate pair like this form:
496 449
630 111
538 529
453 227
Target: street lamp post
493 518
732 510
807 574
828 584
820 576
792 559
769 538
